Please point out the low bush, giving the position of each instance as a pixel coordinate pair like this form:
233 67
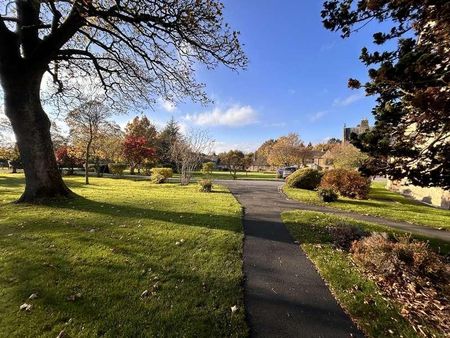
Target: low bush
166 172
158 179
327 195
411 274
348 183
205 185
344 236
304 179
117 168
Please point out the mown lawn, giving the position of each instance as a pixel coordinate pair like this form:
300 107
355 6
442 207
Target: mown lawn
358 295
225 175
382 203
90 259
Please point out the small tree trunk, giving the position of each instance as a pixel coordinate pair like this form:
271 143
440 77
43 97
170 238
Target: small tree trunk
86 167
31 127
13 168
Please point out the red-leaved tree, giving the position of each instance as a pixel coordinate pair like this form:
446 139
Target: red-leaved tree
66 157
136 151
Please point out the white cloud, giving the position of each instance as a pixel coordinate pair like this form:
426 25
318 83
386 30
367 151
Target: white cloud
234 116
167 106
247 147
317 116
343 102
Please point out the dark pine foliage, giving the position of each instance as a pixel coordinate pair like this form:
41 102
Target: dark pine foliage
411 138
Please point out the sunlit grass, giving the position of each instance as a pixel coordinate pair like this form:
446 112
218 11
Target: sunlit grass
89 260
383 203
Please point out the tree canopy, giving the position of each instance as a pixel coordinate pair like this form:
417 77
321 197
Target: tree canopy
136 48
136 51
288 150
410 76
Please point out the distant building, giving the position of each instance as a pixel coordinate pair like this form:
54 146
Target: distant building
319 160
359 129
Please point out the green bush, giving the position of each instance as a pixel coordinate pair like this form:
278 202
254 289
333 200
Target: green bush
117 168
158 179
207 168
304 179
166 172
328 195
348 183
205 185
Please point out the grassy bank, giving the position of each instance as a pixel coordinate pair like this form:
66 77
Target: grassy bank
382 203
125 259
376 315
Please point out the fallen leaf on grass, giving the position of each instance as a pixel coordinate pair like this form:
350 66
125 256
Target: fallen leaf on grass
26 307
74 297
62 334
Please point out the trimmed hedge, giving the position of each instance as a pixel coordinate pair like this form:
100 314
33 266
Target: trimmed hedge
305 178
117 168
166 172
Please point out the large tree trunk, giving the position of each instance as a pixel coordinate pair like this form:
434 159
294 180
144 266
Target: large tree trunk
31 127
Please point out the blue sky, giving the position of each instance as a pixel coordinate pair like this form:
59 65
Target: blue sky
296 80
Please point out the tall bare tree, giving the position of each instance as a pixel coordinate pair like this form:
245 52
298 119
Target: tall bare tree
187 152
138 49
86 123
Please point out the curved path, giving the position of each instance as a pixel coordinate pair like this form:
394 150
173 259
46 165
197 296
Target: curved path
284 294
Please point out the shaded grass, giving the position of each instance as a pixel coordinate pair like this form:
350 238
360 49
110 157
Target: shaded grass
382 203
117 239
357 294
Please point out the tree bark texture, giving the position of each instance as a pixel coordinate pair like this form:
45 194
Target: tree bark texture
31 127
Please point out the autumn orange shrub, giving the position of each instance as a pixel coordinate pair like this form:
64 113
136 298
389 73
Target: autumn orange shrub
348 183
410 273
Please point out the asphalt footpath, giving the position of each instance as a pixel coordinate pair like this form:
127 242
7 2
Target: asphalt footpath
284 294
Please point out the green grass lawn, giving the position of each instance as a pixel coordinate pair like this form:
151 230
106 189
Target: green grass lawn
382 203
89 260
359 296
240 175
225 175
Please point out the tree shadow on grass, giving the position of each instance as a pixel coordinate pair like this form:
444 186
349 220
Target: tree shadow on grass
216 221
11 180
110 290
